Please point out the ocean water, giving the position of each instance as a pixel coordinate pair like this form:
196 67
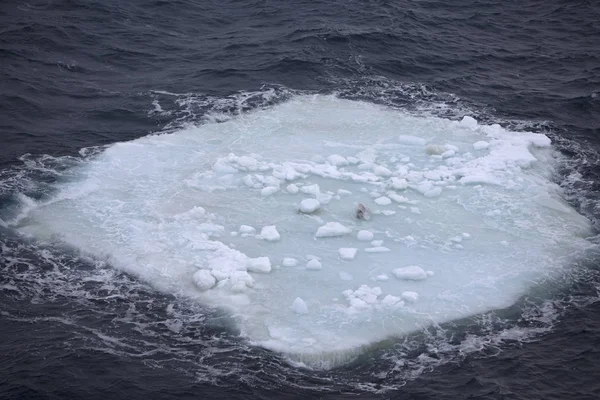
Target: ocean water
159 158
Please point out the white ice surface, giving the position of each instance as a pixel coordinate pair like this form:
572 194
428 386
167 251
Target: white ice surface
159 207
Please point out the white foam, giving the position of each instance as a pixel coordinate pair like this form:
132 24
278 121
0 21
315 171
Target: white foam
158 208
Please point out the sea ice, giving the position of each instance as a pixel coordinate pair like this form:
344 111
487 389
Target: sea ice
332 229
268 191
411 297
412 272
468 122
270 234
204 279
378 249
299 306
289 262
153 229
314 264
309 206
383 201
480 145
337 160
364 235
246 229
347 253
390 300
259 264
292 189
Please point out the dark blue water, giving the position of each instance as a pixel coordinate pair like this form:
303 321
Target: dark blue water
82 74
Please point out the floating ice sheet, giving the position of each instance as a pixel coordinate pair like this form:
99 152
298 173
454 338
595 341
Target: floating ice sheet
475 210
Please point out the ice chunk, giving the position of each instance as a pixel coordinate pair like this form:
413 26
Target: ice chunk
468 122
398 184
411 272
381 277
411 297
299 306
309 206
289 262
434 192
268 191
362 298
378 249
364 235
292 189
337 160
314 264
246 229
343 192
480 145
390 300
311 189
382 171
324 198
347 253
383 201
259 264
270 234
242 276
204 280
332 229
376 243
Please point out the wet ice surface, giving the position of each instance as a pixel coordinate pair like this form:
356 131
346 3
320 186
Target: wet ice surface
464 219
